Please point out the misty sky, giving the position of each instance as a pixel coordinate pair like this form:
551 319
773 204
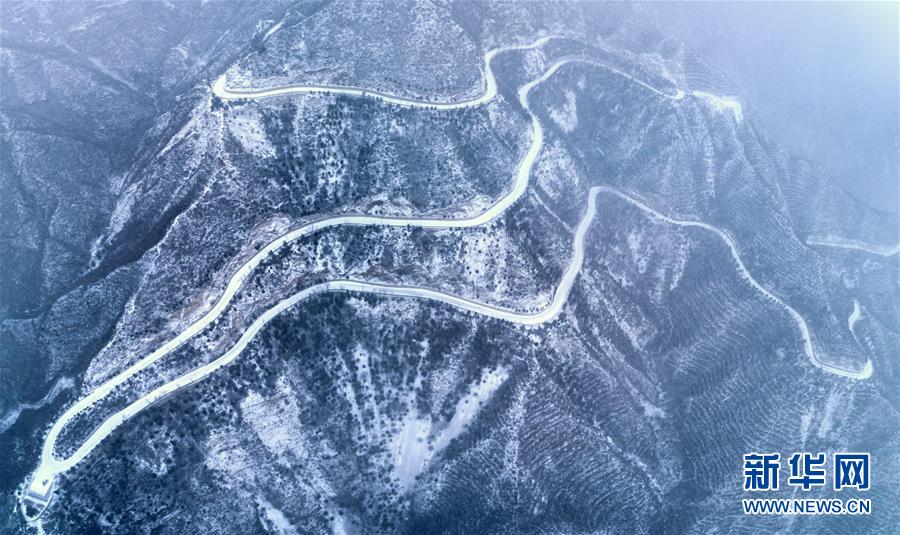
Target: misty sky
822 76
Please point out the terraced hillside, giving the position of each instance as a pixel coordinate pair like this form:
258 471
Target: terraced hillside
440 268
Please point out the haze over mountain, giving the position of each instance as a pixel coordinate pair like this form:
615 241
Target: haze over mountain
422 267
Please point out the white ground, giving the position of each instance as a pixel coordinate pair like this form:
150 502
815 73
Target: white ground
43 478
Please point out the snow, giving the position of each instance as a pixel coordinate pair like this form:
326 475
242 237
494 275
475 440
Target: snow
469 406
85 24
276 422
651 410
854 316
100 66
13 414
274 518
827 422
722 104
846 243
338 526
273 29
225 454
805 422
411 449
277 438
363 360
566 117
122 211
556 172
247 128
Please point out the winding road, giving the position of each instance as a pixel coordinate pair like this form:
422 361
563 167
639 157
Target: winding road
221 90
867 369
855 245
40 487
41 484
